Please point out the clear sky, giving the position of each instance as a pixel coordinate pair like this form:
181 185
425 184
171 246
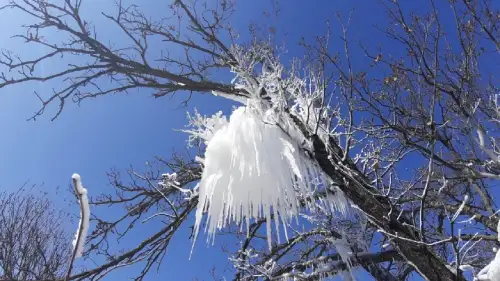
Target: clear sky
122 130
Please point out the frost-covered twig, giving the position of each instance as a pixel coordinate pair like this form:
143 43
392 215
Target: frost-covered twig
83 226
460 209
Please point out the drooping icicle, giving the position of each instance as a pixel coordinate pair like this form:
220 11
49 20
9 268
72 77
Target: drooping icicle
252 170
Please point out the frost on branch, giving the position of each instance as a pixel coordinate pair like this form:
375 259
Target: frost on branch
258 164
203 128
83 225
300 92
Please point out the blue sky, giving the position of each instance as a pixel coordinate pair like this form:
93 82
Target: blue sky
130 129
122 130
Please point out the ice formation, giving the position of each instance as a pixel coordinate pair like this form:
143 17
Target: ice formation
83 225
252 169
257 164
491 272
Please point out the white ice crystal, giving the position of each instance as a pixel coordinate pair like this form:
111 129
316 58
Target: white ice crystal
336 201
169 180
204 128
345 252
491 272
252 169
83 225
257 164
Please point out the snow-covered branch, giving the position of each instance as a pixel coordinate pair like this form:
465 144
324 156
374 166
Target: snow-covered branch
83 225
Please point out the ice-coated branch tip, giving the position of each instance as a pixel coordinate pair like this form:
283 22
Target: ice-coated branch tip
83 227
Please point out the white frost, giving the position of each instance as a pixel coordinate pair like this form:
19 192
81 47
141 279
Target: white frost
345 252
491 272
252 170
83 225
256 164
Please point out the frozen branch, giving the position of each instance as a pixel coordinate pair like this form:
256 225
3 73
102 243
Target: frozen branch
83 225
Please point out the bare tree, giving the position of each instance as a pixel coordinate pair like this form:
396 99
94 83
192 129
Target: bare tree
33 245
437 108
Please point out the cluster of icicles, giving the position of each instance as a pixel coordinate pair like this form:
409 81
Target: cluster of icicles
252 170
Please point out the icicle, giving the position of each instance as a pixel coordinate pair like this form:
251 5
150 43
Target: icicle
252 170
337 202
345 253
